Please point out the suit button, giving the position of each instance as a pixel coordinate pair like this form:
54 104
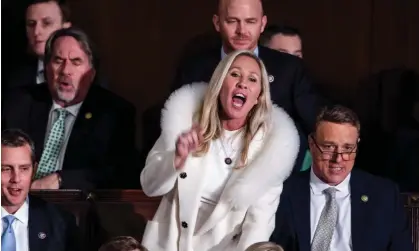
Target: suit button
183 175
184 224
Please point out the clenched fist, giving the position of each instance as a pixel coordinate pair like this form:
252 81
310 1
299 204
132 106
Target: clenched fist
188 142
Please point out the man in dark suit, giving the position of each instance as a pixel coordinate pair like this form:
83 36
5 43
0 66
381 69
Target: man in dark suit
29 223
84 135
283 38
42 18
331 206
240 23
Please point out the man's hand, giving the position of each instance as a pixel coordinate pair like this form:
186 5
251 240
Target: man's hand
48 182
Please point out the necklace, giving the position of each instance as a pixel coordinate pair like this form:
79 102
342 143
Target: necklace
227 159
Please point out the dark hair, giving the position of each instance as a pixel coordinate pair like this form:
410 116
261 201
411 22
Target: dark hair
79 35
340 115
62 4
17 138
122 243
273 29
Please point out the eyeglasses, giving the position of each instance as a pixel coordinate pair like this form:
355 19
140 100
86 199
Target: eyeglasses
328 155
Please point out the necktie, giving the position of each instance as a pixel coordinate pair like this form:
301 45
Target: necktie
327 222
49 158
8 241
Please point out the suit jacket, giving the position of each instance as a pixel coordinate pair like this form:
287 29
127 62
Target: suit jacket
101 148
291 89
245 211
24 75
377 225
50 228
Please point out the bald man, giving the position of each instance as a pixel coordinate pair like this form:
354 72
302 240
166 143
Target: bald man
240 23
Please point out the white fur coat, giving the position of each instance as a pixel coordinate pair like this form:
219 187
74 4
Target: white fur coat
245 212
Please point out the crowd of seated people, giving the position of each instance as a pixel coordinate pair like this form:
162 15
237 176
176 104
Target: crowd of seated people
244 151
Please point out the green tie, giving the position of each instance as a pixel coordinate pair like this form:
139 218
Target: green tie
49 158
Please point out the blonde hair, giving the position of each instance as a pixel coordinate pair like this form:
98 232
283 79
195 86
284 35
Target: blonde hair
208 116
265 246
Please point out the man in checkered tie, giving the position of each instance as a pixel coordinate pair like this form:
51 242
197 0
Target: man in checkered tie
333 207
84 134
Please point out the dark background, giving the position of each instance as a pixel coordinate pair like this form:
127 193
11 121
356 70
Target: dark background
346 43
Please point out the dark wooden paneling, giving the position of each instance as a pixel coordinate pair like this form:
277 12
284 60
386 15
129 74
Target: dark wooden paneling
395 34
336 38
345 42
125 212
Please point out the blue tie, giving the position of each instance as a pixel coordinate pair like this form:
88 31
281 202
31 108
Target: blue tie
8 241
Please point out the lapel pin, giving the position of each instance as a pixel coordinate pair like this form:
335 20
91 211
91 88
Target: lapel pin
88 115
271 78
42 235
364 198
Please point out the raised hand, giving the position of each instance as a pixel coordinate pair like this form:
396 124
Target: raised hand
188 142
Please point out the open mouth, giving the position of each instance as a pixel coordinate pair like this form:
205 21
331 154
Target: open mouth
64 84
239 99
336 169
15 191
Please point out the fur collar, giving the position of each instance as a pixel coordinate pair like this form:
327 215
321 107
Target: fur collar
270 166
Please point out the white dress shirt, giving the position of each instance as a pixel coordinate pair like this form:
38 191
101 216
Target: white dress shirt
342 237
69 123
20 226
40 77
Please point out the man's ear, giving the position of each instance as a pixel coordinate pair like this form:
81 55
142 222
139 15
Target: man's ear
67 24
216 22
310 143
264 22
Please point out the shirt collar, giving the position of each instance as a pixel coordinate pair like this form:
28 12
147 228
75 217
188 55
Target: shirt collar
21 215
223 54
73 109
40 66
318 186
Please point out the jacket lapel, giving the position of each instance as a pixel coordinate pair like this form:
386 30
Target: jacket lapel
39 231
264 55
359 212
300 201
83 126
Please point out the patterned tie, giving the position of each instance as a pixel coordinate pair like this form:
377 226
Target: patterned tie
49 158
327 222
8 241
